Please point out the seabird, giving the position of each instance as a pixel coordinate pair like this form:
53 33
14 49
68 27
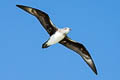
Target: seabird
58 35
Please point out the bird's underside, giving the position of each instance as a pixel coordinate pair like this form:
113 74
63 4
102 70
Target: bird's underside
67 42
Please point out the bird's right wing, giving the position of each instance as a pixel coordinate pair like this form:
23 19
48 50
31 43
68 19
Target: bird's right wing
42 17
81 50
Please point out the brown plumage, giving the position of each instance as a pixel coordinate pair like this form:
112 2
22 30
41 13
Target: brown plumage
67 42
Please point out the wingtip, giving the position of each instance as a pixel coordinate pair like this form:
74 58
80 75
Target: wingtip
21 6
27 9
93 67
17 5
91 64
95 71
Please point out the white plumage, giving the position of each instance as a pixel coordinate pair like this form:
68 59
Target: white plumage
58 36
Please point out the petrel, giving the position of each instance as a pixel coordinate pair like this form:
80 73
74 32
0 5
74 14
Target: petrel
59 35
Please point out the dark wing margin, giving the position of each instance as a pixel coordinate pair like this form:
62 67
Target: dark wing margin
81 50
42 17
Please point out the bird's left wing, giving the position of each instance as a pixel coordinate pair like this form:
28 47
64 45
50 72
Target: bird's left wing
81 50
42 17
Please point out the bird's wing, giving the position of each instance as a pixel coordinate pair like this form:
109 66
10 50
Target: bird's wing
81 50
42 17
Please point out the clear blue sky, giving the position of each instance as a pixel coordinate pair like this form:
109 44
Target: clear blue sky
95 23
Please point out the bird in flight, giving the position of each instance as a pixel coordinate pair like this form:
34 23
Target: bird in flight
59 35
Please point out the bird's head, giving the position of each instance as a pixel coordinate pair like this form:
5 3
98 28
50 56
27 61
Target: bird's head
66 30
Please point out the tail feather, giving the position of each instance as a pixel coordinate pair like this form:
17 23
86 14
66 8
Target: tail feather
45 45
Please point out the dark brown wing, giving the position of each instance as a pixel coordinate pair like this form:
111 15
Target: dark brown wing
42 17
81 50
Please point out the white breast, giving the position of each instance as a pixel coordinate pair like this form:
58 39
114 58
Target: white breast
55 38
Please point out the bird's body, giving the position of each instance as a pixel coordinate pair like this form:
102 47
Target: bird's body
56 37
59 36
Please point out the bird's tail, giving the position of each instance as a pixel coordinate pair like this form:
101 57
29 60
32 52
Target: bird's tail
45 45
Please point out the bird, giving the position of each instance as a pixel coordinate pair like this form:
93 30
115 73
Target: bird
59 35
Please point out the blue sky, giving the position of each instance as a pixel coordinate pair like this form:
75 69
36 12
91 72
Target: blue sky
95 23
